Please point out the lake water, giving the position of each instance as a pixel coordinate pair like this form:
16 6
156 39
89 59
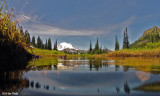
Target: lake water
85 77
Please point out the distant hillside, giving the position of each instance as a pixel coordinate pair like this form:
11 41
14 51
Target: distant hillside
149 40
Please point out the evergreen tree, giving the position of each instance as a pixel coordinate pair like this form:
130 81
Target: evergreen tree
125 40
55 45
46 45
116 43
49 44
27 37
38 42
90 49
33 41
97 45
96 49
42 45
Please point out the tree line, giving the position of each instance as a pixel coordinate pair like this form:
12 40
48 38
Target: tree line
39 44
97 49
47 45
125 41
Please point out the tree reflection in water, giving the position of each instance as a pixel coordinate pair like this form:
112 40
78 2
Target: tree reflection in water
38 85
117 89
12 81
126 88
32 84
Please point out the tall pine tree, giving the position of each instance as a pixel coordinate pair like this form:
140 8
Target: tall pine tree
55 45
46 45
38 42
116 43
33 41
49 44
125 40
42 45
97 45
96 49
90 49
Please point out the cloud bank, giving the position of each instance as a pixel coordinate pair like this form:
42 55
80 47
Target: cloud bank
42 29
50 30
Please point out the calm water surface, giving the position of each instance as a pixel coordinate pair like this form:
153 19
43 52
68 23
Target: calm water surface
89 77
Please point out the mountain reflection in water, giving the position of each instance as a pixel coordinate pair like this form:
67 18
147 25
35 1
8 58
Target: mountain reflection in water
74 77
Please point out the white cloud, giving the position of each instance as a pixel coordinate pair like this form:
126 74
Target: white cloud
23 18
112 29
128 21
42 29
50 30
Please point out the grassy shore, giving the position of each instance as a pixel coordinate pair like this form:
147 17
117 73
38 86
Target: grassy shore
50 53
120 53
135 53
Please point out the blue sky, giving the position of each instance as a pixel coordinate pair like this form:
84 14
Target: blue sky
79 21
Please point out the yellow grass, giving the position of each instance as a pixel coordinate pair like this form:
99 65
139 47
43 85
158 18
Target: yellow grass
135 53
50 53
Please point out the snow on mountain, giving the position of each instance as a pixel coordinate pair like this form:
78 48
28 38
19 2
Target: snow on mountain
65 45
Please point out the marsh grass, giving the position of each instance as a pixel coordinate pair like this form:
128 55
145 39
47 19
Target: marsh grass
146 64
12 39
9 29
135 53
46 53
51 53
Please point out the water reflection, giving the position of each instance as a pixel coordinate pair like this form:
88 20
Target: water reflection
117 89
143 76
64 77
126 88
146 64
149 87
67 64
12 81
141 64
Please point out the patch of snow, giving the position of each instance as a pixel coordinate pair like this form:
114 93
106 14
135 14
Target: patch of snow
65 45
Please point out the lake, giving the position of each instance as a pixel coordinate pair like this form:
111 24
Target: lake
84 77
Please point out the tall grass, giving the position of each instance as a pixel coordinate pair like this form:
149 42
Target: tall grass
12 38
135 53
9 29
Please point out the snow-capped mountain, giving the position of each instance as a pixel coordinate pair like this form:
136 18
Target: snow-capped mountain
65 45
